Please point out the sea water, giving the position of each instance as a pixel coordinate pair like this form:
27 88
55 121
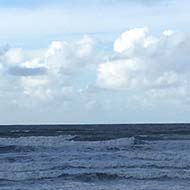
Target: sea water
85 157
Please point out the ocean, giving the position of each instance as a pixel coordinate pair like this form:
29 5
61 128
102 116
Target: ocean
95 157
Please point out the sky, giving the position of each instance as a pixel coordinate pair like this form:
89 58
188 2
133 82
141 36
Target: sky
100 61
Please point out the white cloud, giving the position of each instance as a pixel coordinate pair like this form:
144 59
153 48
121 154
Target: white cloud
63 61
142 70
147 63
118 74
87 17
168 32
49 75
130 39
141 62
13 56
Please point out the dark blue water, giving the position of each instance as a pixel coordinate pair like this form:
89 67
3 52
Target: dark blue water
127 157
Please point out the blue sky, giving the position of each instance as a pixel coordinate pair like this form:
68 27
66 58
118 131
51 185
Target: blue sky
28 3
117 60
45 21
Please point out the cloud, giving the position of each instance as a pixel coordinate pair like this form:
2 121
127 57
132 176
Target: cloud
144 71
84 17
49 74
13 56
24 71
148 63
141 62
129 39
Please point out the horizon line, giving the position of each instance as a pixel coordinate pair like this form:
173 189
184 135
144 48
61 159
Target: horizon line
93 124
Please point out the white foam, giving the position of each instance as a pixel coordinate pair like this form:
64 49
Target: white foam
51 141
115 143
59 141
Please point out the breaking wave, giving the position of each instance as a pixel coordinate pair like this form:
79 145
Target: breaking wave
51 141
86 158
7 144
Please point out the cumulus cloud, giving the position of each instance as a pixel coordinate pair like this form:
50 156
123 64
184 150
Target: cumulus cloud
148 63
141 69
50 75
130 39
13 56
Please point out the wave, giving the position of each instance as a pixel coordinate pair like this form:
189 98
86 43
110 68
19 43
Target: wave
11 144
102 176
92 176
14 149
50 141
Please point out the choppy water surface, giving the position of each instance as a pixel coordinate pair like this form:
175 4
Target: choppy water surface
127 157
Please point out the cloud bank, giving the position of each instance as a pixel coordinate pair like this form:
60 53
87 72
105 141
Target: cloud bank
143 69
